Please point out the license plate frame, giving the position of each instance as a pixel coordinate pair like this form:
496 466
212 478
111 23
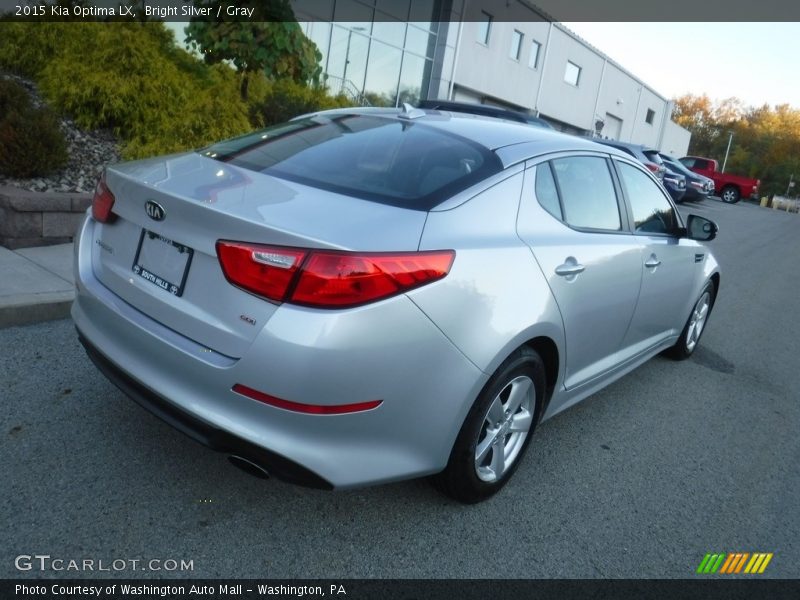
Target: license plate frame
177 255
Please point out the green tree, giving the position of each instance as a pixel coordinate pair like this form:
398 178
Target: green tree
270 41
766 140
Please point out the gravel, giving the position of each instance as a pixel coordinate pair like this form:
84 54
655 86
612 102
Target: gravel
89 152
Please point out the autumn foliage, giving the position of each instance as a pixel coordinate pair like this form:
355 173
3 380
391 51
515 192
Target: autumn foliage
766 140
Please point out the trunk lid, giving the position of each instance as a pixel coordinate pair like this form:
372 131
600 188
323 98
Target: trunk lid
139 258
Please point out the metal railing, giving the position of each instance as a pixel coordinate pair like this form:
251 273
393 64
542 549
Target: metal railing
337 85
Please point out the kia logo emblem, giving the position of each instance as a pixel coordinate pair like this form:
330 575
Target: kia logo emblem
154 210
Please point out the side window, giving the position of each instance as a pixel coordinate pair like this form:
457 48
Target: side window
587 193
546 192
688 162
652 212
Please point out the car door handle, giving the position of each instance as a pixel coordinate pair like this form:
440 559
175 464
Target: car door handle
652 262
569 268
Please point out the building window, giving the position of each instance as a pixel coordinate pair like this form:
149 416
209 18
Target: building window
572 75
484 27
651 114
533 61
516 45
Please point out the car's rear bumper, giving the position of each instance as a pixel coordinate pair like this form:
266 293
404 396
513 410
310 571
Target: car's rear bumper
389 351
208 435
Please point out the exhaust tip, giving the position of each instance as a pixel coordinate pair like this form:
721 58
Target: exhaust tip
248 467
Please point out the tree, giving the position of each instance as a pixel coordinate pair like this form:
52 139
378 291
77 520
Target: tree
766 140
270 41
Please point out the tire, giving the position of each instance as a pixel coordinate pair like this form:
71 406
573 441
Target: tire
730 194
497 430
695 325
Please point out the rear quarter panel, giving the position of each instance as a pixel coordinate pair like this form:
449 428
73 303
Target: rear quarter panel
495 298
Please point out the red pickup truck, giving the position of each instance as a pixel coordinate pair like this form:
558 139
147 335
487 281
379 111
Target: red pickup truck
731 188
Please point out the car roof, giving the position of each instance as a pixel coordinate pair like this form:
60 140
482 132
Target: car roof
633 146
490 132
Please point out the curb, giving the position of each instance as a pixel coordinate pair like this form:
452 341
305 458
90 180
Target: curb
49 308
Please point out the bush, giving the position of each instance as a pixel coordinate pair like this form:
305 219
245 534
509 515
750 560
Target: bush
25 48
31 142
13 97
131 78
286 99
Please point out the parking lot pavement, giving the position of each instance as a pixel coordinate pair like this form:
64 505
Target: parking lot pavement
642 480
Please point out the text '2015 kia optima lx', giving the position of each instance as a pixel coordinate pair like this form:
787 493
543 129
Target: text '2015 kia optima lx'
362 296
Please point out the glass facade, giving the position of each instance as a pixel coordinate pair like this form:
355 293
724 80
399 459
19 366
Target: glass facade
382 59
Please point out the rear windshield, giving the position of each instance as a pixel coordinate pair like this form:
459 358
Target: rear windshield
653 156
375 158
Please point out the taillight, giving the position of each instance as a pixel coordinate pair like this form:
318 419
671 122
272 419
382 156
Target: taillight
334 279
657 169
328 279
103 202
263 270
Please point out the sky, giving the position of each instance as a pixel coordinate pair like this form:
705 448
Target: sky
755 62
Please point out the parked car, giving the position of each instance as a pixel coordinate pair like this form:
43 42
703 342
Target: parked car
698 187
485 110
675 184
362 296
647 156
731 187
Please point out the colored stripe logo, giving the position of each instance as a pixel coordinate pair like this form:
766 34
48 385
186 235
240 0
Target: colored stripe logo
734 563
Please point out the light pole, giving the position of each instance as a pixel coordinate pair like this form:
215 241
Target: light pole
725 162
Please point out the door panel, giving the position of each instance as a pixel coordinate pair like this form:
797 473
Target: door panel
664 297
594 276
667 261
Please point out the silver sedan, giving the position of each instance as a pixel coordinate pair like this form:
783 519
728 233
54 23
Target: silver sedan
362 296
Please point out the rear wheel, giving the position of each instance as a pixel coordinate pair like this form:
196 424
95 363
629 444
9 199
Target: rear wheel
690 336
730 194
497 430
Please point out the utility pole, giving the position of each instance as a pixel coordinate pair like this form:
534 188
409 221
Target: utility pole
725 162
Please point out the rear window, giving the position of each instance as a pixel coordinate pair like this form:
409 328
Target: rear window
653 156
380 159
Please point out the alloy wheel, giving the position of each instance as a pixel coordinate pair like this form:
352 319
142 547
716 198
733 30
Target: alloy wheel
505 428
698 320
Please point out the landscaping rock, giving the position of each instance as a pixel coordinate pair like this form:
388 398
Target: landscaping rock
89 152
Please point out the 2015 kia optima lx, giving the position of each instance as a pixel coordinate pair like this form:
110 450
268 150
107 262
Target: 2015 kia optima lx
361 296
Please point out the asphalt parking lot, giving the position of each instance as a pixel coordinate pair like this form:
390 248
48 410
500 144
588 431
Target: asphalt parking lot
642 480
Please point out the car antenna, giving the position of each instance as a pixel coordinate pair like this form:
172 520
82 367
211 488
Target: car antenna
409 112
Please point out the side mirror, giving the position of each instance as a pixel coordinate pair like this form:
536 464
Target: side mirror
701 229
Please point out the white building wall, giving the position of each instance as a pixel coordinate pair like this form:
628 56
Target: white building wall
676 140
643 132
561 100
490 71
606 92
618 97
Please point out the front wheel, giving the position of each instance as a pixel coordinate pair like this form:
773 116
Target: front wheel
497 430
690 336
730 194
